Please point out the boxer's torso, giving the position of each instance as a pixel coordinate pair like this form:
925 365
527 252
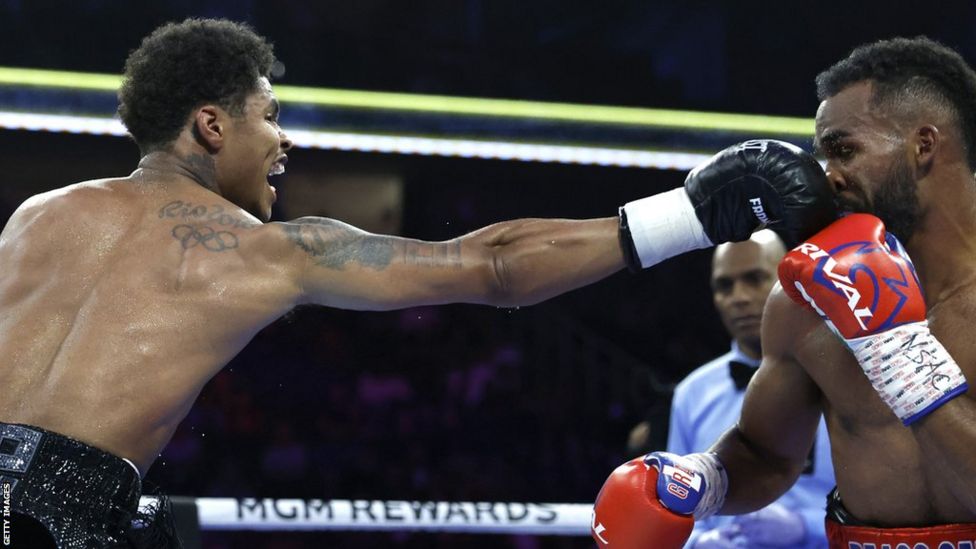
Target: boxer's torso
883 476
120 299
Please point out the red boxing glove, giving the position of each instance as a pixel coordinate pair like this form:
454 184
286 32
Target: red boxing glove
856 276
628 515
861 281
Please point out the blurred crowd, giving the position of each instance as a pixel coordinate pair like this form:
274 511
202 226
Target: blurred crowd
421 404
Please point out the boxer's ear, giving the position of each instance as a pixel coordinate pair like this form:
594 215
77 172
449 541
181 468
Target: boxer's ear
926 143
208 127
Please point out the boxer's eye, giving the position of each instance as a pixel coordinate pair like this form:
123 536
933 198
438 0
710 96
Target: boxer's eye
841 151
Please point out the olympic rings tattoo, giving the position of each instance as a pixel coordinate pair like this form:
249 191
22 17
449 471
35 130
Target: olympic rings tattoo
215 241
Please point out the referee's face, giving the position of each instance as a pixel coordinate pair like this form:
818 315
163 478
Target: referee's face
743 273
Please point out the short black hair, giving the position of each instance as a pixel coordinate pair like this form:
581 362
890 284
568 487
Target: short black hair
911 69
181 66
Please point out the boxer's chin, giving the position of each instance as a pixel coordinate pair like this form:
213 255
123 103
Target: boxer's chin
851 204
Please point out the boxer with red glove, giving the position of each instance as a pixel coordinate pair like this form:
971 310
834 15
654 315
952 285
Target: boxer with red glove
860 280
652 502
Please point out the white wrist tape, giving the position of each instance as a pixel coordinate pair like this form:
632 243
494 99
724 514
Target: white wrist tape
910 369
716 483
663 226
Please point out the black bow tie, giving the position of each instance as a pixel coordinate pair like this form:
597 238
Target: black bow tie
741 373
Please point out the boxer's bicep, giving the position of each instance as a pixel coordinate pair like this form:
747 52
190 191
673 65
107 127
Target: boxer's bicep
342 266
767 449
782 407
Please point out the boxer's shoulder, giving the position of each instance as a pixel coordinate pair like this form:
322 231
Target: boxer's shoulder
951 320
47 215
786 325
795 334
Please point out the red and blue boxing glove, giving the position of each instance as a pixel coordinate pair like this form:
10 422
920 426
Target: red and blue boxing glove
861 281
653 501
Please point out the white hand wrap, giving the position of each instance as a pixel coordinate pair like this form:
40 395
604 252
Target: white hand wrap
910 369
716 483
663 226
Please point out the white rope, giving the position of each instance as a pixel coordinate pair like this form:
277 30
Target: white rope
555 519
402 144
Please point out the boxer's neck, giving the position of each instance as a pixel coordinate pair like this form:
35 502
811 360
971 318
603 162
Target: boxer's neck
195 166
943 248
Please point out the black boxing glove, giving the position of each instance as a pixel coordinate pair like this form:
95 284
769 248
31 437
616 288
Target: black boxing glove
746 187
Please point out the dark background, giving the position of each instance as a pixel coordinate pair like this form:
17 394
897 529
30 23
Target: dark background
742 56
462 402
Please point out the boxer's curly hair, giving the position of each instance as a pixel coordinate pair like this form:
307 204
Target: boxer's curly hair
907 72
181 66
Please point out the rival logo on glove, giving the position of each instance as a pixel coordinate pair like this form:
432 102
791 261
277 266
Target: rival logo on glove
597 529
863 297
842 283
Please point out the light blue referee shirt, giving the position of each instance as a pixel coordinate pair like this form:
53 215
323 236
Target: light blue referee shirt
706 404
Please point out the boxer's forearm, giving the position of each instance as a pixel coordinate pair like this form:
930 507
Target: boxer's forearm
947 438
535 259
756 478
519 262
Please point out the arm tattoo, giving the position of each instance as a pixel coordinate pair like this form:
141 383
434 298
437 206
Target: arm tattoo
433 254
334 244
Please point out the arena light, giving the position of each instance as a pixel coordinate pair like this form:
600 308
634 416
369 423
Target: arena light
463 106
61 123
497 150
399 144
17 76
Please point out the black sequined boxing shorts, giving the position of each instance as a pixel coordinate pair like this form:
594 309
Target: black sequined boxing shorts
82 496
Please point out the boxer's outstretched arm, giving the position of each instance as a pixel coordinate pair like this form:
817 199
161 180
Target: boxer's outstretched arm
766 451
518 262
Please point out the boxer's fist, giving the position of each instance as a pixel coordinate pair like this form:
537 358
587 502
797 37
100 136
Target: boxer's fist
856 276
739 190
761 183
649 502
860 280
629 515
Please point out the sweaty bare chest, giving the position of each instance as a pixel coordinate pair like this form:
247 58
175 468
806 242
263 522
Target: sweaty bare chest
873 452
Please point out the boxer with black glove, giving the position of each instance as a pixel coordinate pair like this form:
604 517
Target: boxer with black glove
748 186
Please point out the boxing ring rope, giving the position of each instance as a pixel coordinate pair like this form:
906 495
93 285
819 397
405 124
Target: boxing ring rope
424 146
551 519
